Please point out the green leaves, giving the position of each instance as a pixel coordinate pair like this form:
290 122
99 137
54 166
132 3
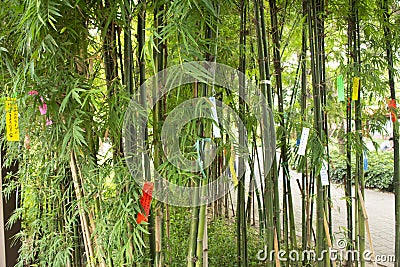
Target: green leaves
378 176
77 135
74 93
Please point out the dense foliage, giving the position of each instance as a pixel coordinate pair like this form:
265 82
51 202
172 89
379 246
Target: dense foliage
379 173
73 67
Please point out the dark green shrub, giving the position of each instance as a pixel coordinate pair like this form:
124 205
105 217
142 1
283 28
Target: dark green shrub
379 174
380 171
221 240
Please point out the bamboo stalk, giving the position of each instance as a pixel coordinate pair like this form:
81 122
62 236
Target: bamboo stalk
191 259
303 104
82 215
276 248
158 58
109 53
293 239
279 89
315 68
99 250
119 53
168 231
359 153
323 91
141 36
348 184
271 180
396 149
267 205
250 197
364 210
201 226
359 175
128 54
328 238
241 212
158 236
205 244
2 225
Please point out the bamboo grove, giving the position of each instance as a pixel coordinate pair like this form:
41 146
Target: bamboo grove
85 60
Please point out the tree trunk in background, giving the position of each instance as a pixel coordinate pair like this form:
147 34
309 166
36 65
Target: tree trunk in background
2 215
9 247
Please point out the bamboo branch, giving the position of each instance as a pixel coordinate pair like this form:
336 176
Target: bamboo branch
82 215
364 210
92 224
328 238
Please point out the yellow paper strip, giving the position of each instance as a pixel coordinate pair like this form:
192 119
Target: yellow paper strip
356 85
12 120
232 169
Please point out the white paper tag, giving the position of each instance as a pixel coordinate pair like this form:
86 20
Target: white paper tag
303 141
216 130
265 81
324 174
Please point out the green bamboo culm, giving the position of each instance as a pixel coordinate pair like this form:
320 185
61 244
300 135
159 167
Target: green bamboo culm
271 191
141 36
320 22
318 125
266 210
202 225
241 212
128 79
158 59
194 225
128 53
203 151
191 260
359 175
348 184
303 105
396 173
288 225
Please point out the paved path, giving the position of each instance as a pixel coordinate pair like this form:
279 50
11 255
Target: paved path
380 211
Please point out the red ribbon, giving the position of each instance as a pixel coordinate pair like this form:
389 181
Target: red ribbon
392 109
145 202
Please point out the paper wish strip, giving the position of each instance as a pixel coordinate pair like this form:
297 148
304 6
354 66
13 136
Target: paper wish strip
12 127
